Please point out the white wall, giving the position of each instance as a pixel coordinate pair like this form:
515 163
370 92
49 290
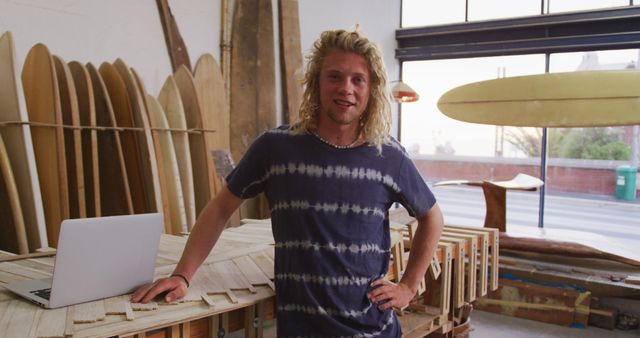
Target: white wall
97 31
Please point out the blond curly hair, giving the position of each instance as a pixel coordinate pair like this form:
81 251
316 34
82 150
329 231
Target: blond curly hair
376 120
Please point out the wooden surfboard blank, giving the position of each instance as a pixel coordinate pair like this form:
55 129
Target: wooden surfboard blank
13 236
291 58
172 173
43 105
214 109
203 184
164 206
575 99
17 139
146 150
252 74
115 197
87 114
170 100
72 139
129 138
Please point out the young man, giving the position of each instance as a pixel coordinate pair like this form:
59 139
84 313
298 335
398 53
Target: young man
330 180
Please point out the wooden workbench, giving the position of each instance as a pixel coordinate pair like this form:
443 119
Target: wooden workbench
242 297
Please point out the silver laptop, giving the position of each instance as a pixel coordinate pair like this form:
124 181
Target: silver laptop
97 258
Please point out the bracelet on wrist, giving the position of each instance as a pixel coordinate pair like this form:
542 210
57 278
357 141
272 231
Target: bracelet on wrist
181 276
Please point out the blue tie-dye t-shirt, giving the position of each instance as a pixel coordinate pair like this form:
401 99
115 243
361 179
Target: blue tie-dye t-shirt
329 212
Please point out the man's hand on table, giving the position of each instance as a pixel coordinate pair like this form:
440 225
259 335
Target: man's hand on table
175 288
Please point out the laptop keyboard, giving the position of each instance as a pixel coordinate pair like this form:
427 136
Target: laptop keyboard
43 293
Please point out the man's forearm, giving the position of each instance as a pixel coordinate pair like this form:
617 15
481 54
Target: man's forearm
206 232
423 247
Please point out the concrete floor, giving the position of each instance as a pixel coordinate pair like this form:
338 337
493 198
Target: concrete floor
490 325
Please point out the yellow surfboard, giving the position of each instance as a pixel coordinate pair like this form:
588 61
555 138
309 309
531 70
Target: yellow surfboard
575 99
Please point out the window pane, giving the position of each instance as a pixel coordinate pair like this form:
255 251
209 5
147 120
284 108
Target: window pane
583 162
417 13
496 9
446 149
557 6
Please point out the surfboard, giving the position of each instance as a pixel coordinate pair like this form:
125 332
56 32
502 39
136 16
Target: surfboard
13 236
202 178
173 183
146 150
43 106
115 197
72 139
129 138
290 59
252 83
89 136
17 139
574 99
164 207
214 109
171 103
252 74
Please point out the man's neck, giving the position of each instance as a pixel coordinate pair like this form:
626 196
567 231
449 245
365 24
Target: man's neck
339 135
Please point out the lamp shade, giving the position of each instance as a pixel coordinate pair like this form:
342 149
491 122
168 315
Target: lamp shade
403 93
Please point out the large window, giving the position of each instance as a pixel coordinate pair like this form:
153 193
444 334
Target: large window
582 162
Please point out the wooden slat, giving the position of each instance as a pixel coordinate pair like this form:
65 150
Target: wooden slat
18 319
458 253
252 272
472 257
90 312
52 323
291 58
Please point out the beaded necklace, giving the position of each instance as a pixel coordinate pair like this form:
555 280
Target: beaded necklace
348 146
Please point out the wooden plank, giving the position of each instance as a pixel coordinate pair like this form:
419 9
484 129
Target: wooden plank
12 227
52 323
89 137
218 283
120 305
115 197
483 272
170 100
459 253
146 150
120 102
18 142
472 264
290 59
172 181
265 263
548 304
494 246
252 272
175 44
252 74
234 278
90 312
214 109
43 105
18 319
72 138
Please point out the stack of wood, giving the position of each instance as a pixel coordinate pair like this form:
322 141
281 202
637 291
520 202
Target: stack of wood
465 268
